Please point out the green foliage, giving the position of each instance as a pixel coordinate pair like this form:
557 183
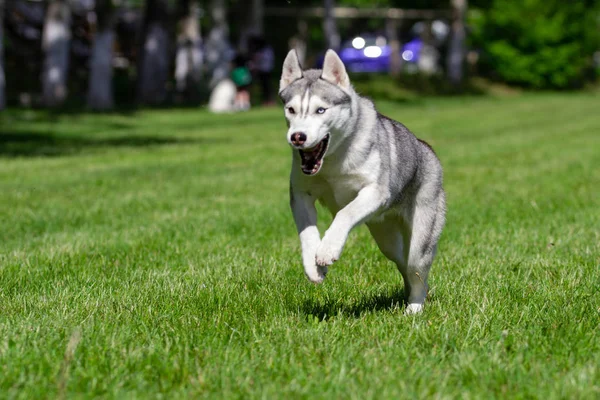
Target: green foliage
381 87
410 87
154 255
539 44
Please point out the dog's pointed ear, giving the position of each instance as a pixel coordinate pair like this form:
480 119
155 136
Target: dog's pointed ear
292 70
334 70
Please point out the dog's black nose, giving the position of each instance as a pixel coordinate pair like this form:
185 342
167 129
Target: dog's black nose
298 138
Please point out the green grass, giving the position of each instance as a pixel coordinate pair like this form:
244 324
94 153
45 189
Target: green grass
154 255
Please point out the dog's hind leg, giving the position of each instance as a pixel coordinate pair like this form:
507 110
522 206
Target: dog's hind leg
391 238
427 223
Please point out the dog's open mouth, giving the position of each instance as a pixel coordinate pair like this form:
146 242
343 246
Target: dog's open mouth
312 159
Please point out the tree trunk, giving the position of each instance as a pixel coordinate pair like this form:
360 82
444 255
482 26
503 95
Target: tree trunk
391 27
254 24
429 55
299 41
56 40
332 37
258 16
2 77
218 49
153 67
188 61
100 89
456 48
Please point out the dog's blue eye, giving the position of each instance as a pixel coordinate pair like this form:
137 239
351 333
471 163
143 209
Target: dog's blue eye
320 110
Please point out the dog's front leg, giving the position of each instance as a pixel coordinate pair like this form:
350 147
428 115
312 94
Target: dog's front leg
305 215
368 201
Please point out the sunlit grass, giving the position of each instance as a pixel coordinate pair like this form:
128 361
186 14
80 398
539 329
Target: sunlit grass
154 253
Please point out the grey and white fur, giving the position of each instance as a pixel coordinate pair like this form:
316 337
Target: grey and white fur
365 168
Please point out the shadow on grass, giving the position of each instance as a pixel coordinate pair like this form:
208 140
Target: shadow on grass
21 144
387 300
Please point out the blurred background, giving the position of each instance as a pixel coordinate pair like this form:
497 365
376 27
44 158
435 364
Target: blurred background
107 54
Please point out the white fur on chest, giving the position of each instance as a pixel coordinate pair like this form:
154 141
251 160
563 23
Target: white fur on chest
339 182
336 192
343 189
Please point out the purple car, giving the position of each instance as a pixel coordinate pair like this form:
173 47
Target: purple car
369 53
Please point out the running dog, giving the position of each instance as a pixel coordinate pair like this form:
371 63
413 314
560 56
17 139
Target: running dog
364 168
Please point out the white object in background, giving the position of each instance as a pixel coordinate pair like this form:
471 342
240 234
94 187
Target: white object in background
222 97
358 43
372 51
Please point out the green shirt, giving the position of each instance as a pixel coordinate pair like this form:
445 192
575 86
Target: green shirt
241 76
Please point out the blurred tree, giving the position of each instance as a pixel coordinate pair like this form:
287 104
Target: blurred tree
56 40
188 60
100 87
153 66
391 31
332 36
218 49
299 41
2 77
257 16
254 24
540 44
406 4
456 47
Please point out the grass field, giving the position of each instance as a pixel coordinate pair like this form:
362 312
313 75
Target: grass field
154 255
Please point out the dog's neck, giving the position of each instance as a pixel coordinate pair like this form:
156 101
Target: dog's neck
352 134
363 115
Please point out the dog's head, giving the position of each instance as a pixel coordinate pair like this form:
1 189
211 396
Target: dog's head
318 104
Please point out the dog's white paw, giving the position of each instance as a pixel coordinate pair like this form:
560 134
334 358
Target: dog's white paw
414 308
326 254
316 274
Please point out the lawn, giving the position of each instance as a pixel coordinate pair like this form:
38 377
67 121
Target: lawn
153 254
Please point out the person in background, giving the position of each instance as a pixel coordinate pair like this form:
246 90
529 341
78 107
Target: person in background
263 63
240 75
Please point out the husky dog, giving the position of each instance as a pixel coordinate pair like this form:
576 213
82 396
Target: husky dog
364 167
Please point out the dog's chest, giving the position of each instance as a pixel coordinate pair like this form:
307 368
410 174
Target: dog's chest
336 192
